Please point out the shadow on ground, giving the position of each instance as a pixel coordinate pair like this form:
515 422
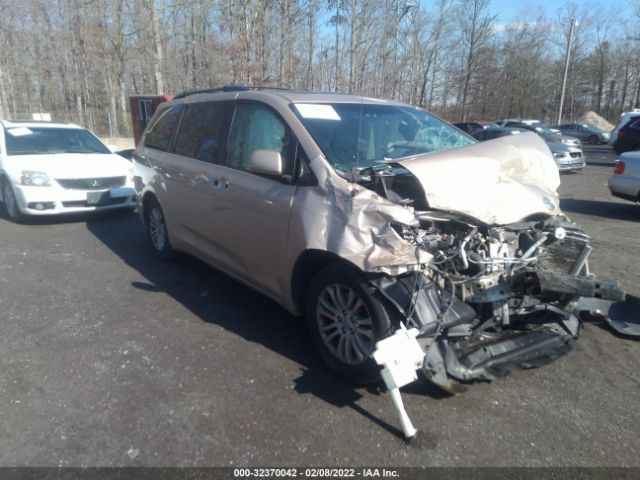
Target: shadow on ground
619 211
215 298
81 217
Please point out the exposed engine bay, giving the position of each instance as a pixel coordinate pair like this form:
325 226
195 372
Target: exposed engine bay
490 299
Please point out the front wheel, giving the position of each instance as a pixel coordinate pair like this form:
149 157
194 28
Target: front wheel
157 230
10 202
345 320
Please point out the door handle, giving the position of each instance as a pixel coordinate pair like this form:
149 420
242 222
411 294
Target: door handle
221 183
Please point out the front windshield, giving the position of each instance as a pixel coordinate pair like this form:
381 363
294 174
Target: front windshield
362 135
47 140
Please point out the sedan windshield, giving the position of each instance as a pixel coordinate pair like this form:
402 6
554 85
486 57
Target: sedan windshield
361 135
46 140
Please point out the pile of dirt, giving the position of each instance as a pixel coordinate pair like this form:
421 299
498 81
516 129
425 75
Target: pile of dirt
592 118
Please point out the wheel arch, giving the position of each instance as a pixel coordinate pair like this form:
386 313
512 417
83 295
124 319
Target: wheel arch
307 265
148 196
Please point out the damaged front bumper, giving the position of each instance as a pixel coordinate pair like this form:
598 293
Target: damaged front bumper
520 306
459 348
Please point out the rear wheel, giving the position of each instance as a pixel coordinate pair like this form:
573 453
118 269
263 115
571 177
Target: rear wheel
10 202
345 320
157 230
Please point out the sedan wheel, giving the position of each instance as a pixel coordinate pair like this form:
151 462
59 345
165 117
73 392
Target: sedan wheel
10 203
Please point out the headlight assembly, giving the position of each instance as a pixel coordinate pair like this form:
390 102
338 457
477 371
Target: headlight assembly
35 179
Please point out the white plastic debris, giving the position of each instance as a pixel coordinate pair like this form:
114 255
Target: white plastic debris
400 356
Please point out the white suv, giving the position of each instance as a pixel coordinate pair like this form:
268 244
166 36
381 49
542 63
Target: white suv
50 168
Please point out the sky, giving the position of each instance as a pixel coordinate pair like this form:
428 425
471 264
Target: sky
508 10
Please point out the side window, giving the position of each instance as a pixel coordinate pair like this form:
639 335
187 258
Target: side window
255 127
159 135
636 124
202 131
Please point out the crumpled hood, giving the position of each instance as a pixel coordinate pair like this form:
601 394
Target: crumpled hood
498 182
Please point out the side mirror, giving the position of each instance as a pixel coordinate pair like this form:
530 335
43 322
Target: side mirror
266 162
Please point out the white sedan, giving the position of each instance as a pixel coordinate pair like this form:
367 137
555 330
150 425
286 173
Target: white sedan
51 168
625 181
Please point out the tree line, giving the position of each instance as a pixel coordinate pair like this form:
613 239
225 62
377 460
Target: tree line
451 57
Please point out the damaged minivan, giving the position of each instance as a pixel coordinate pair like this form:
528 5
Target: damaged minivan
369 217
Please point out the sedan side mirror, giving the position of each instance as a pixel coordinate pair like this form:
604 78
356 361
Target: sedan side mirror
266 162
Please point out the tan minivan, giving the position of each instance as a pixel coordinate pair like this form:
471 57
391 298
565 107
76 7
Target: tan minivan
365 215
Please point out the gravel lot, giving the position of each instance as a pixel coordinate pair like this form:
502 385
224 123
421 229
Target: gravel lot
110 357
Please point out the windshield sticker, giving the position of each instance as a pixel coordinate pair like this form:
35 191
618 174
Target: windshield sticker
19 131
317 111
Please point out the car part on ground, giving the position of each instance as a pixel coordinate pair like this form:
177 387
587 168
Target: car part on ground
621 317
376 217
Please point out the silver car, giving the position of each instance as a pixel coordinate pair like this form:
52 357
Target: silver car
371 217
585 132
625 181
567 158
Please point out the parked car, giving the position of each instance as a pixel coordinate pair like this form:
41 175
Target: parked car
372 217
469 127
535 125
548 134
625 181
625 117
628 138
494 132
53 168
568 159
585 132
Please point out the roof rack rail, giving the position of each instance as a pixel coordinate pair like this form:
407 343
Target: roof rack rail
226 88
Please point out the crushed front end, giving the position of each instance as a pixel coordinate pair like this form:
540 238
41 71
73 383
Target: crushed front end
493 299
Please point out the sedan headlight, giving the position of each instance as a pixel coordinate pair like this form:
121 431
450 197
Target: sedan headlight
35 179
559 154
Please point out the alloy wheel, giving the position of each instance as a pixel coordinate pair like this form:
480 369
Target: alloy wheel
345 324
157 229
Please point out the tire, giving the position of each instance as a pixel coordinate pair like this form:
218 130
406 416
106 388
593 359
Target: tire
10 203
337 296
157 233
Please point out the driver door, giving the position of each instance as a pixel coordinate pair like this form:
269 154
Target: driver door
251 211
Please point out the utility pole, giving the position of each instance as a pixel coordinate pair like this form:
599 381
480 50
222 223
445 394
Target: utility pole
566 70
